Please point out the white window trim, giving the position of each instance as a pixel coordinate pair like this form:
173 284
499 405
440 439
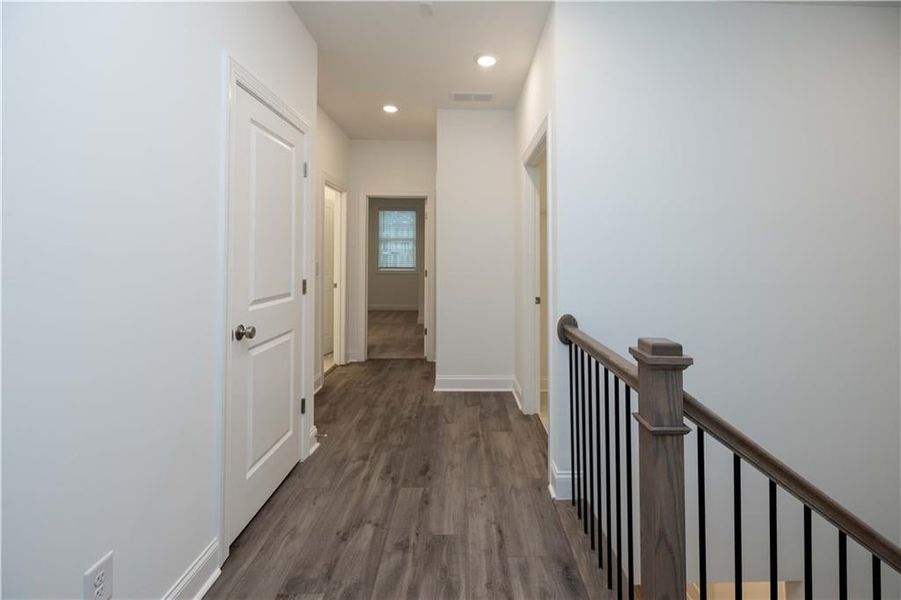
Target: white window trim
414 270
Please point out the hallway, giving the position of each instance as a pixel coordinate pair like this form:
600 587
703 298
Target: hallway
413 494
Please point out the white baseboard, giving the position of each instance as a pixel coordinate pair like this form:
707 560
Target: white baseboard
354 357
317 384
392 307
199 577
517 394
477 383
560 485
313 431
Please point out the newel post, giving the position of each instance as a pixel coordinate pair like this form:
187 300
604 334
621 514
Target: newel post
661 467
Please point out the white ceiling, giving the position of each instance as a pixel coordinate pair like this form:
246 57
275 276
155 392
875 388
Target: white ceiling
377 53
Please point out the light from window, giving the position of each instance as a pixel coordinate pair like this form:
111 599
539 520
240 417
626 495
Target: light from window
397 239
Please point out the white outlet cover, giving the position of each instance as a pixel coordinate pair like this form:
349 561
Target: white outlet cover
98 580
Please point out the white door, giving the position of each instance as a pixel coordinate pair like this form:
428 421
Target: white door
328 271
264 369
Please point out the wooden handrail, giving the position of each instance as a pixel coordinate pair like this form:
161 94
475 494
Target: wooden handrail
619 366
739 443
792 482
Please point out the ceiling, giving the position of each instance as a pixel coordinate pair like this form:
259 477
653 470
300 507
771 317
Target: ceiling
413 55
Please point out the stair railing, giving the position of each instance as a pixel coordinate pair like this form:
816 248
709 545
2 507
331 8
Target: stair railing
662 410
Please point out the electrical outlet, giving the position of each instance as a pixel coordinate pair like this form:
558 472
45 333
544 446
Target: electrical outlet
98 580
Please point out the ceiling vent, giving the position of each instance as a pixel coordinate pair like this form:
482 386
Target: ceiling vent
472 96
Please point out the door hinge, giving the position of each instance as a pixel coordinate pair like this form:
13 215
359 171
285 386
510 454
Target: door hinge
305 169
426 272
303 406
426 330
537 299
303 287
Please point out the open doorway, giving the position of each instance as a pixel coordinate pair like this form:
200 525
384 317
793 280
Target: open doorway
539 277
541 298
332 278
396 278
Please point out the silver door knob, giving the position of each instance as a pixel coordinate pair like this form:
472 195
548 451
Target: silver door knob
241 332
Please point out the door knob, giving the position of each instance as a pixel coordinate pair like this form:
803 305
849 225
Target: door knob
241 332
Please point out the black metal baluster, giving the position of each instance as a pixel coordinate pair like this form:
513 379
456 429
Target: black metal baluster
877 578
572 424
590 459
597 383
607 476
628 425
774 559
619 494
577 473
584 479
736 492
842 566
702 519
808 555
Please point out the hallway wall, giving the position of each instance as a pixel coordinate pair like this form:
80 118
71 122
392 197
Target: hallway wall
385 168
475 190
534 107
727 176
113 138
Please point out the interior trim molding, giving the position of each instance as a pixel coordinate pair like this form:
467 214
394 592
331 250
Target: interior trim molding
199 577
517 394
315 446
474 383
561 483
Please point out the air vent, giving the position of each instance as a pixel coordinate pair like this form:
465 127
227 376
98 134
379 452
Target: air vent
472 96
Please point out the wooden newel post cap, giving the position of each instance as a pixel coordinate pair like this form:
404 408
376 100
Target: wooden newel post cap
660 353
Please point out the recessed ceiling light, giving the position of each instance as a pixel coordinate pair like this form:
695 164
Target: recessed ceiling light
389 108
486 61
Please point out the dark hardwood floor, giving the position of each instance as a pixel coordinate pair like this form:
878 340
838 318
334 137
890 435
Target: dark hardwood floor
414 494
394 334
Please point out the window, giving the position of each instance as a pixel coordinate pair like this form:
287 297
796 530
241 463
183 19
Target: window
397 240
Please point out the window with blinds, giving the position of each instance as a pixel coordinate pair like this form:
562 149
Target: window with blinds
397 240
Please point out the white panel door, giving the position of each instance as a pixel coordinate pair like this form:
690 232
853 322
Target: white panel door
264 294
328 271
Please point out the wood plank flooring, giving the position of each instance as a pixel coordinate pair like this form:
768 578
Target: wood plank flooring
394 334
413 494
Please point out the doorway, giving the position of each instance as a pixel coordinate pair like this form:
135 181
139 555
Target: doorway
541 299
331 282
396 278
538 283
265 309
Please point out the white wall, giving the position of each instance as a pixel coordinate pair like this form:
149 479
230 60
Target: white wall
113 134
379 168
395 290
475 254
727 176
333 164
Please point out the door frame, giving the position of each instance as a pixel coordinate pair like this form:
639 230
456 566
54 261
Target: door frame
428 265
538 145
238 76
339 335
